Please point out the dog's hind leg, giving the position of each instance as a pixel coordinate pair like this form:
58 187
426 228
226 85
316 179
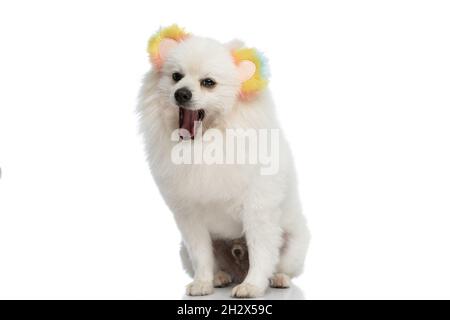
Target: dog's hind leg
221 279
280 280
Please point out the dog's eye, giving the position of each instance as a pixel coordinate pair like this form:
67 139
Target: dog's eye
207 83
176 76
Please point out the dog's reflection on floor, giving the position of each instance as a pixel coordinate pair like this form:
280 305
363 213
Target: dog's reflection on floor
292 293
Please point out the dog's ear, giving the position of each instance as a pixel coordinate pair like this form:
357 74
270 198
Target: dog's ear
162 42
252 71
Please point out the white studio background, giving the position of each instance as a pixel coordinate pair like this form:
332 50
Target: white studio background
363 93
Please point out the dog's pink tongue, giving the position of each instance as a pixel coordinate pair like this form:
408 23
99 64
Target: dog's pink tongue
187 122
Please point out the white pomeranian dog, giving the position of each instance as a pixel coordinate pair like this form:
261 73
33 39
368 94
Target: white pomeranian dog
236 206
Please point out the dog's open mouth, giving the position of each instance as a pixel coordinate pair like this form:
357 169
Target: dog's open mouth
189 120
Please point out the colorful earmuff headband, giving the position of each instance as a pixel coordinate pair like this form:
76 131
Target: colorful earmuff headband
251 64
161 43
252 69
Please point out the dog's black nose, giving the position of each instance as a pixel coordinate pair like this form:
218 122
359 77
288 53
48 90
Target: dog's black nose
183 95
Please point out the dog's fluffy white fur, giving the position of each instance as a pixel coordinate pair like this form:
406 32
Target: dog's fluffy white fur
222 201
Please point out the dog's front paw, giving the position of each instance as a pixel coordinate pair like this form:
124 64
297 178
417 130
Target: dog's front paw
199 288
247 290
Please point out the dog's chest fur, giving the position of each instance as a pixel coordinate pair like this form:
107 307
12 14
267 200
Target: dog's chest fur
213 192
